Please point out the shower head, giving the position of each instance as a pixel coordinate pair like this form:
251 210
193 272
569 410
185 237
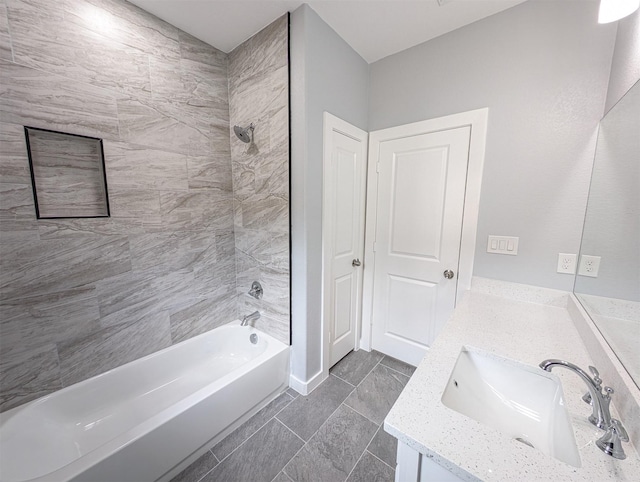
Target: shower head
243 133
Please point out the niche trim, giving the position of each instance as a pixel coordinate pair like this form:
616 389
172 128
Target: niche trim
76 162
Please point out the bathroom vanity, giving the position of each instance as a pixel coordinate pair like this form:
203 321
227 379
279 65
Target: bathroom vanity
524 325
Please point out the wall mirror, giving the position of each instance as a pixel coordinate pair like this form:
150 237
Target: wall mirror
67 174
608 279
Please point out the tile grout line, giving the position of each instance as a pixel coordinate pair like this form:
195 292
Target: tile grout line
214 455
341 379
257 430
362 415
356 464
369 372
210 470
365 447
314 433
375 456
298 436
397 371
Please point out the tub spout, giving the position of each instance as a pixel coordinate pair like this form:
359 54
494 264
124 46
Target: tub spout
252 317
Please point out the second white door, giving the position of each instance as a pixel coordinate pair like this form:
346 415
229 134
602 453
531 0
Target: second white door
419 210
343 233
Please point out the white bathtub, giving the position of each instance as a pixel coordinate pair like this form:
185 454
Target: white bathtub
147 419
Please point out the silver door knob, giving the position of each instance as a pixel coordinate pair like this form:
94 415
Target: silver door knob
356 262
448 274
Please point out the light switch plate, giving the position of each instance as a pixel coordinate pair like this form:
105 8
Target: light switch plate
503 245
567 263
589 265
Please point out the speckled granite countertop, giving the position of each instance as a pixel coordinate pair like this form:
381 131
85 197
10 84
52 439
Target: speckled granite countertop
526 332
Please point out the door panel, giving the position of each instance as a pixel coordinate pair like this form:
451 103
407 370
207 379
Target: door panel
343 225
420 200
343 307
408 299
418 183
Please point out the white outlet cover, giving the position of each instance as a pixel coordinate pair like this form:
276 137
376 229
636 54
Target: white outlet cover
566 263
589 266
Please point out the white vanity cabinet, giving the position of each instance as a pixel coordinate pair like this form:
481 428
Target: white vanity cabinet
412 466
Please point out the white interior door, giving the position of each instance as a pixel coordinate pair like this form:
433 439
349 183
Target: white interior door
419 211
343 233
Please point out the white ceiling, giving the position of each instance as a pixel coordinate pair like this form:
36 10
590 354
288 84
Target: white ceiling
374 28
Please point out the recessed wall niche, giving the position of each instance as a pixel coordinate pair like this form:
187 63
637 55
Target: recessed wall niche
67 174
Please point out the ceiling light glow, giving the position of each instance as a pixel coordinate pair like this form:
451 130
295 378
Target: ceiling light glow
612 10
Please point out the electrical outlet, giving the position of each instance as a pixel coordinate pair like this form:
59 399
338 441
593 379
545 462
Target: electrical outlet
589 266
566 263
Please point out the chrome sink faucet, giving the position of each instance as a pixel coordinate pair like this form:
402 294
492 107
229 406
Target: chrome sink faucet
611 442
252 317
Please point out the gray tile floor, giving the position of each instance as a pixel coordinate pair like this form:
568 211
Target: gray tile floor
334 434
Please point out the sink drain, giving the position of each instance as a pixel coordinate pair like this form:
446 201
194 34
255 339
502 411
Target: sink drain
524 441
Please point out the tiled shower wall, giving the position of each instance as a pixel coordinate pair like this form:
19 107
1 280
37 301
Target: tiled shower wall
81 296
259 94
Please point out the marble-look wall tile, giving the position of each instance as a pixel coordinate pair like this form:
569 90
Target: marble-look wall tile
258 93
210 172
125 23
146 124
62 104
162 252
137 206
5 38
16 201
29 375
35 321
14 165
140 167
196 51
55 265
201 317
83 54
113 346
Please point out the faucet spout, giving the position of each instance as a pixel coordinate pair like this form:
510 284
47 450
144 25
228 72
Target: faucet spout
252 317
611 442
601 417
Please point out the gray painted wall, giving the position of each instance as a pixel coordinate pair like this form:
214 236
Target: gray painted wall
625 66
326 75
542 70
259 94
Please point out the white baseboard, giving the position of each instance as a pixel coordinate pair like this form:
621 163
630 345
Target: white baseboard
305 388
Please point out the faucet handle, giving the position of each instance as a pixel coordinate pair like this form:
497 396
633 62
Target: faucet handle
608 391
611 442
596 376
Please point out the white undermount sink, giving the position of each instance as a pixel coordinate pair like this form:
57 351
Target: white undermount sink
522 401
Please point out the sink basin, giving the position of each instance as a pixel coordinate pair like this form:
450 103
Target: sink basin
524 402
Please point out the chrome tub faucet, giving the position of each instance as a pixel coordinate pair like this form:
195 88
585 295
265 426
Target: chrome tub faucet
252 317
599 398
